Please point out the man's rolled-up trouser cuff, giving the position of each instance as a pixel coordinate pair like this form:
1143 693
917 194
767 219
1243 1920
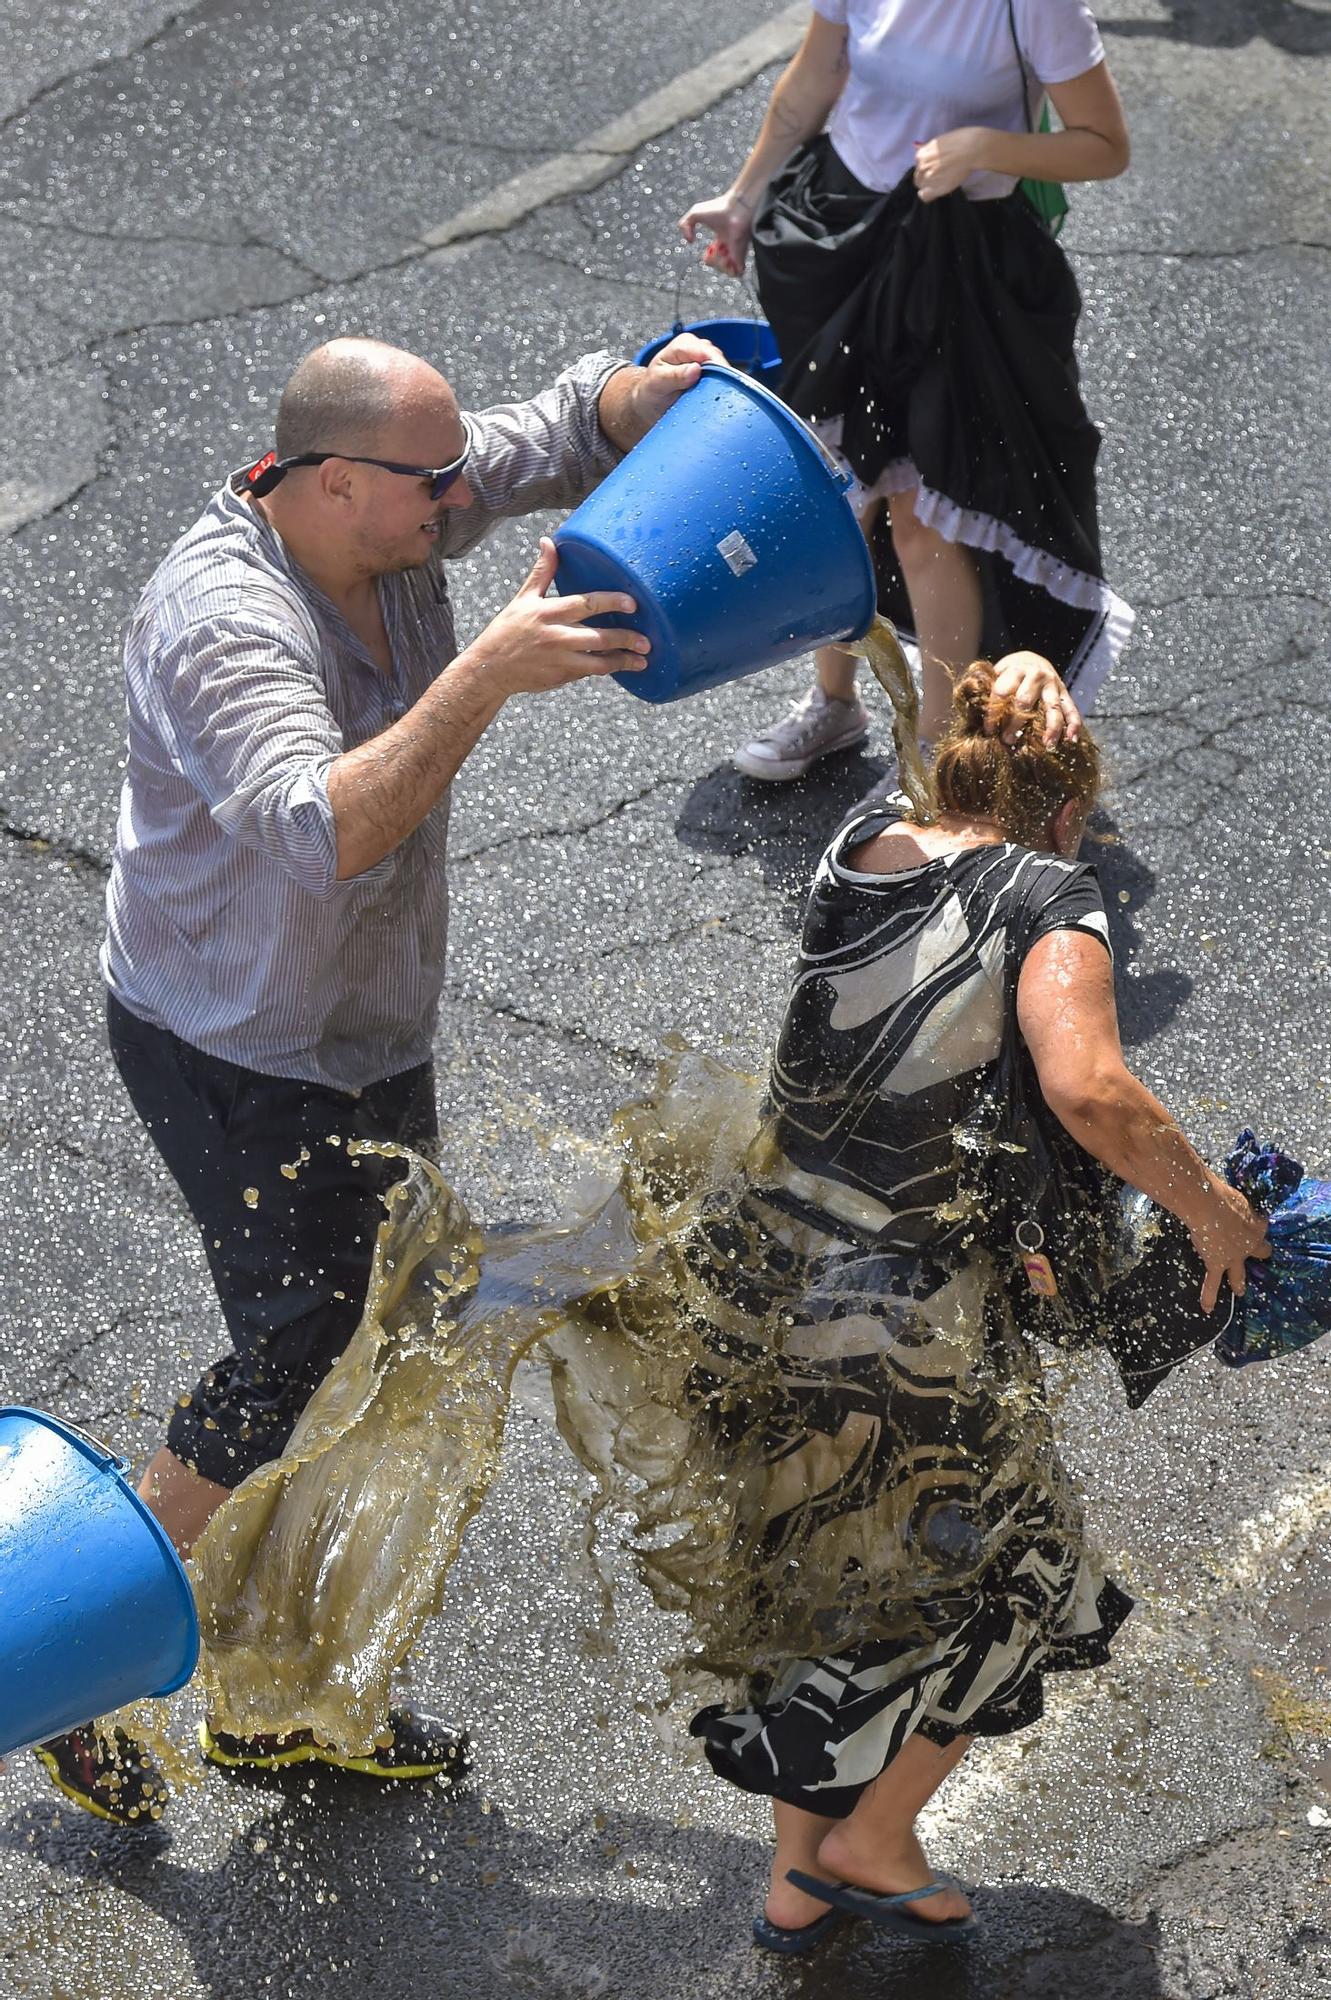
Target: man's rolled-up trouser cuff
242 1411
228 1449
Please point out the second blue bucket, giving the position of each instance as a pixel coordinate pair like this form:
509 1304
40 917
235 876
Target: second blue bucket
729 525
95 1606
748 344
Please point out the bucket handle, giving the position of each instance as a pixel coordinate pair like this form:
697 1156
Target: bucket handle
683 270
838 471
113 1458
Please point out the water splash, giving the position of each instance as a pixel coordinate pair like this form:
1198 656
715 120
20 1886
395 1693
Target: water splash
685 1366
319 1572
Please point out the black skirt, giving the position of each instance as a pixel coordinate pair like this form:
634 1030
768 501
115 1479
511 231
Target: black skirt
935 341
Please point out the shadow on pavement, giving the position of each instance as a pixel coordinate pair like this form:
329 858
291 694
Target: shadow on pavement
1147 1002
785 828
371 1893
1229 24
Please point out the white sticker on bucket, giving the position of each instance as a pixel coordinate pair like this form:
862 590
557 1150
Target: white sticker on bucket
736 553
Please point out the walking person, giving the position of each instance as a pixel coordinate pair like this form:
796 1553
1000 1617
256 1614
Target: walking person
821 1404
926 318
298 707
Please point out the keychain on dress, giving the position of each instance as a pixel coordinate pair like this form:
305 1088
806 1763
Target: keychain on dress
1039 1271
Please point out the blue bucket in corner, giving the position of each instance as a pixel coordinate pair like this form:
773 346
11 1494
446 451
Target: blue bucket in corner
95 1606
730 527
748 344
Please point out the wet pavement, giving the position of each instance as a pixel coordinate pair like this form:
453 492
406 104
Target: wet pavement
189 200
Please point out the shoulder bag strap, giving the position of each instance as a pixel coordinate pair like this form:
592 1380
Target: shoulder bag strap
1047 198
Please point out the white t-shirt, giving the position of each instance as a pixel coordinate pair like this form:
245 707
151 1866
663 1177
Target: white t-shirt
919 68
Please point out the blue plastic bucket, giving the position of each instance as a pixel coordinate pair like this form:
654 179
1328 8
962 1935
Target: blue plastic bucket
748 344
95 1606
729 525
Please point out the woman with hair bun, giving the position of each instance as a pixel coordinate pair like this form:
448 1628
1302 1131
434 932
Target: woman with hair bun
851 1483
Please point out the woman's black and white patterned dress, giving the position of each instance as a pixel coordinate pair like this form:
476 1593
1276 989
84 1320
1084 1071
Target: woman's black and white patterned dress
815 1402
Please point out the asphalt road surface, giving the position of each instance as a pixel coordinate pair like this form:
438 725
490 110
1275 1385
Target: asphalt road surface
190 197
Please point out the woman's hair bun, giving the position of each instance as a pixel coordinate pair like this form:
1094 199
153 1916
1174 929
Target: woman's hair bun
992 761
975 713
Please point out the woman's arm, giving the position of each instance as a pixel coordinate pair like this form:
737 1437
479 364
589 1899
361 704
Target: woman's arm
800 106
1068 1020
1093 145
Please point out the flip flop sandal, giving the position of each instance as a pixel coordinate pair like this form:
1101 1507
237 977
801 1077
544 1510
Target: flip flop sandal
887 1911
794 1941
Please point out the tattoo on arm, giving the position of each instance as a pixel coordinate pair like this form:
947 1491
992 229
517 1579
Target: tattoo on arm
787 123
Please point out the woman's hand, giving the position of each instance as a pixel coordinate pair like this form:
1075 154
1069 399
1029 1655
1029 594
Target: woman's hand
1035 687
1225 1236
729 219
942 164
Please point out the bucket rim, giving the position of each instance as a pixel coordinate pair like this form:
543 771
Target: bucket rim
106 1460
790 418
83 1442
653 346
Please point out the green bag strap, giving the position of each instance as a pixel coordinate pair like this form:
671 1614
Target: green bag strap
1047 198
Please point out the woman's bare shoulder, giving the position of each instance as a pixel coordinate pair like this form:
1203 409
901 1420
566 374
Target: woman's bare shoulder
904 845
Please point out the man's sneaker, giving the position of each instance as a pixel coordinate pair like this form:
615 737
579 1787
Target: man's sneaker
421 1748
107 1774
815 727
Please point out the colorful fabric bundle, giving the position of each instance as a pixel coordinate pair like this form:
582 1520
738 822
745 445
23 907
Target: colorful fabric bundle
1288 1301
1150 1318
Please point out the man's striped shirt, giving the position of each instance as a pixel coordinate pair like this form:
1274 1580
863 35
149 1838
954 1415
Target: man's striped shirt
226 923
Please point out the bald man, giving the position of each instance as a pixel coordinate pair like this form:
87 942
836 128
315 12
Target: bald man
298 707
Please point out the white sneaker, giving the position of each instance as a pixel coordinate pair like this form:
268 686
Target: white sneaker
815 727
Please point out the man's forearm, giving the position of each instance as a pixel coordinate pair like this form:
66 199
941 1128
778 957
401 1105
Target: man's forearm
618 411
380 792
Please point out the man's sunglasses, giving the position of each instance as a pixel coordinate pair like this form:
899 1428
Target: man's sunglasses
264 476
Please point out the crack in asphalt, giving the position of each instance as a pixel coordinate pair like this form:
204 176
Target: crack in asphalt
62 225
1176 711
696 926
66 1359
572 827
101 466
1292 595
12 212
1212 739
136 1176
1208 256
635 1059
616 278
538 149
1152 1878
89 347
47 846
451 238
39 96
